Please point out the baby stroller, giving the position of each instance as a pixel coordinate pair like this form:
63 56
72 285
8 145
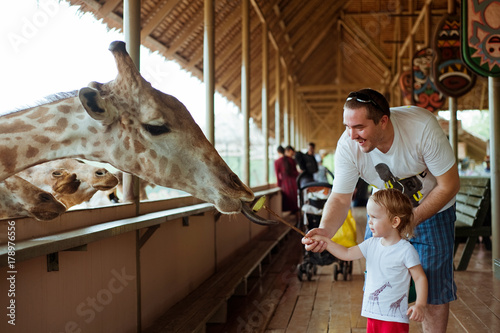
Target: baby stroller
312 198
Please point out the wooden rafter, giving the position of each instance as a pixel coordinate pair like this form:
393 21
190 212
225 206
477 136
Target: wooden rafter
108 7
353 28
158 18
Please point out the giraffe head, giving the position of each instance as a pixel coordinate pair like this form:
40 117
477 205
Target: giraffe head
50 179
88 179
97 177
154 137
21 198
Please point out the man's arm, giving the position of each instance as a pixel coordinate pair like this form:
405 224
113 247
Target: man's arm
334 214
448 185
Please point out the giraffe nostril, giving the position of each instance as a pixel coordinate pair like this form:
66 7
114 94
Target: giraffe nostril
57 174
45 197
101 173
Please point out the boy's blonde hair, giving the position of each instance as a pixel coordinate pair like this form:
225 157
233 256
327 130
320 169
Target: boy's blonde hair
397 205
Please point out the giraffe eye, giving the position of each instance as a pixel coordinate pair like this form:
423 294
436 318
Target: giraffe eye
156 129
57 173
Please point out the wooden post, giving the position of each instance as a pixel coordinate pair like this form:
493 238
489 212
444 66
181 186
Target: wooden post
452 125
245 86
286 111
277 100
209 68
494 104
265 98
132 29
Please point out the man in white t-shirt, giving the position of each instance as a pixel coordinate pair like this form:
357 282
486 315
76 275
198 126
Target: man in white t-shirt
406 149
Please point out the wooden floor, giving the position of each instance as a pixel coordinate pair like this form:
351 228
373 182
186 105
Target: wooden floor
280 303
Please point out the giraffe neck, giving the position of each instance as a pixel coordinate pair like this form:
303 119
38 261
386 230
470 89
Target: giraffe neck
46 132
9 203
382 288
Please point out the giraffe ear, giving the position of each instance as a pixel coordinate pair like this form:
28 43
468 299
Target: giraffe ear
96 106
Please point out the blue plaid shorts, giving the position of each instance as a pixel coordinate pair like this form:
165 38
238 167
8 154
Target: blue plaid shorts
434 241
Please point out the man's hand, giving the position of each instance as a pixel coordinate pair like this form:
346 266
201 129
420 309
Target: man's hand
313 245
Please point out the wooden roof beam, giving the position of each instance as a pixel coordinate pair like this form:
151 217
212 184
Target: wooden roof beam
236 70
321 121
157 18
306 13
194 23
408 39
327 87
312 23
108 7
222 30
358 33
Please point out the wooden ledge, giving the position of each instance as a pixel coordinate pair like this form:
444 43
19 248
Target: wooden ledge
36 247
32 248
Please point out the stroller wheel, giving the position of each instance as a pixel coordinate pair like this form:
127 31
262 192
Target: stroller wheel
300 272
344 272
310 271
349 270
335 271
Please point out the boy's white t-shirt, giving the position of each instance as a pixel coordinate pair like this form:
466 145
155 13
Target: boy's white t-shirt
387 279
420 152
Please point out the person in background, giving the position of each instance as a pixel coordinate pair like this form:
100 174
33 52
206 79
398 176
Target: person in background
290 152
307 164
406 149
322 175
286 176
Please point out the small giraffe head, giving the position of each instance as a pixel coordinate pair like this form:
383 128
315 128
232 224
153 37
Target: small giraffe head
97 177
153 135
21 198
52 180
82 179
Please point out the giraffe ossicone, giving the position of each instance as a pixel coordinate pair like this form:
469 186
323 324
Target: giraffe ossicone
131 125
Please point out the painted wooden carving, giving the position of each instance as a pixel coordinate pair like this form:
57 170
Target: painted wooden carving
481 36
405 86
425 93
451 76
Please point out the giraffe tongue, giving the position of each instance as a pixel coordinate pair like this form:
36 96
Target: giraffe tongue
252 216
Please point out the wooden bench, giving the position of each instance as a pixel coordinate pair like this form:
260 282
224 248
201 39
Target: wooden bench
208 303
473 215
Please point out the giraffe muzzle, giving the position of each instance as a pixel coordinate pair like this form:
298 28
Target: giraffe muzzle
250 214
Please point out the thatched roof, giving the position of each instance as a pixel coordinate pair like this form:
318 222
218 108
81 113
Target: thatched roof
326 48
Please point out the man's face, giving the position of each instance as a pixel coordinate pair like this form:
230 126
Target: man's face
363 130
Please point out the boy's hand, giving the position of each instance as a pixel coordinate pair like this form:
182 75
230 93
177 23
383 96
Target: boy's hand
314 243
416 312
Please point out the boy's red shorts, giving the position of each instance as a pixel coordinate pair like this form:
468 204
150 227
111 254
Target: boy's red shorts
379 326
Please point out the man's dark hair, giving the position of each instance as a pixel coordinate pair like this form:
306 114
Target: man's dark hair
375 103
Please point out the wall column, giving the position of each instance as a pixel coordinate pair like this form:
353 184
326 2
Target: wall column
277 100
209 69
245 86
265 98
